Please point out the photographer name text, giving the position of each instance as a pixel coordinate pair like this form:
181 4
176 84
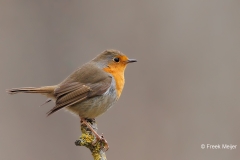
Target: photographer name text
219 146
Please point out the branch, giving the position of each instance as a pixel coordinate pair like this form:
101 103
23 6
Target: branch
89 140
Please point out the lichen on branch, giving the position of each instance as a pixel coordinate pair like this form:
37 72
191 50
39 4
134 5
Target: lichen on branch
89 140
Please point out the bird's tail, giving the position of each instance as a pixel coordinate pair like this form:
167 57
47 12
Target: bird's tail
46 90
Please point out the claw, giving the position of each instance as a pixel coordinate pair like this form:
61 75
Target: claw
106 146
98 137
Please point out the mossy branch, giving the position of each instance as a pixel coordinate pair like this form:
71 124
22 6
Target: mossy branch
89 140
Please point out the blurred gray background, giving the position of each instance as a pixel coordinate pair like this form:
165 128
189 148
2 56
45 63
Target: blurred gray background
183 91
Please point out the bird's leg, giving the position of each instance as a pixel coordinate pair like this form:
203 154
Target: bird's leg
99 138
84 121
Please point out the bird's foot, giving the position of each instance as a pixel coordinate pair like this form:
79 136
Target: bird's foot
98 137
102 139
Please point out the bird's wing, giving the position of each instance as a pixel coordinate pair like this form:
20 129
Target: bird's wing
73 92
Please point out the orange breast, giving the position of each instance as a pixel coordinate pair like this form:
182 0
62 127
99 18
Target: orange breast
118 73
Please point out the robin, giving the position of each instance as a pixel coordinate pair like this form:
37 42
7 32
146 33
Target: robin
90 90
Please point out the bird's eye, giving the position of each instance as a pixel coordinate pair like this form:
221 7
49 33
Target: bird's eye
116 59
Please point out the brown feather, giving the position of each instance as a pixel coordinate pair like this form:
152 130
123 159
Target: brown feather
73 91
46 90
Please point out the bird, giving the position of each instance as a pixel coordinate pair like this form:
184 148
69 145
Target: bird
90 90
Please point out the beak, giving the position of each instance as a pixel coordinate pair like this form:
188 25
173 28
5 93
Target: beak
131 60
